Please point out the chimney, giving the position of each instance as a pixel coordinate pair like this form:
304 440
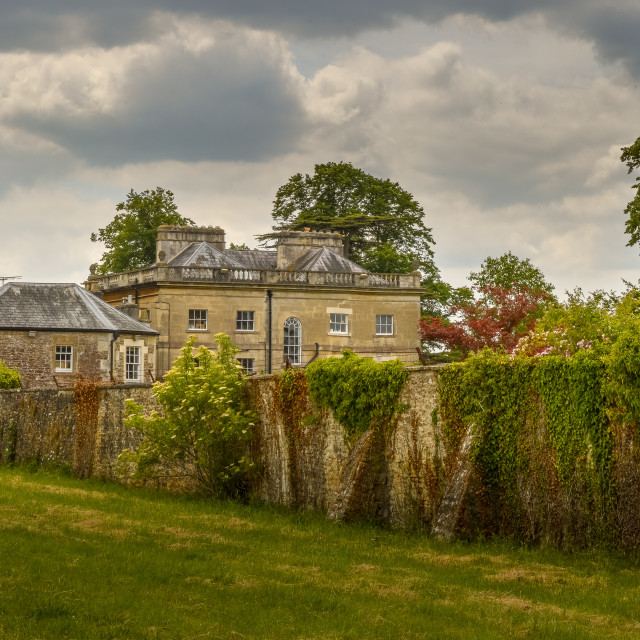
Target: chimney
292 245
172 240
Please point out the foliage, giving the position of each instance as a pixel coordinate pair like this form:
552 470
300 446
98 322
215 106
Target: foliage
510 272
9 378
507 399
239 247
623 362
631 156
361 393
130 238
582 322
497 320
382 224
204 428
292 398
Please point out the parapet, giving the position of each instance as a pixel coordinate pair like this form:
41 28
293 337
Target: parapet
172 240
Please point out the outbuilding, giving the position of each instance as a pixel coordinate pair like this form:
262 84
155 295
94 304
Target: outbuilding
56 333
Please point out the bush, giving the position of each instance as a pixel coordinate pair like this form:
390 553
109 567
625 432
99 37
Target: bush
9 378
204 428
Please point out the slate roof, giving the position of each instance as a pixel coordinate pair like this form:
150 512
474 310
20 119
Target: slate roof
202 254
255 258
324 259
65 307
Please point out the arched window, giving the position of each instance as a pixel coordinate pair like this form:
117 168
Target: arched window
293 340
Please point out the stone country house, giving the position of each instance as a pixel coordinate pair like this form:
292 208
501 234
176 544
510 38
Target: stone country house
300 302
56 333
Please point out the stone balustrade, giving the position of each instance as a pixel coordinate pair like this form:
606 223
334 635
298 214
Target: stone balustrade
252 277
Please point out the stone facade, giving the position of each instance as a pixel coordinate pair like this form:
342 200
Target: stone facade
33 354
198 288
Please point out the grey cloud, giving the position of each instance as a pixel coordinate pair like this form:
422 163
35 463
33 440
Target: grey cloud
214 106
44 25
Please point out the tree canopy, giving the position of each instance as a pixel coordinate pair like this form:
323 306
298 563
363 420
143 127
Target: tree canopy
130 238
510 272
382 224
508 295
631 156
497 320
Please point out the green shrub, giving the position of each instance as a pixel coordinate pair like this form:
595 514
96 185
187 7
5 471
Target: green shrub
204 428
9 378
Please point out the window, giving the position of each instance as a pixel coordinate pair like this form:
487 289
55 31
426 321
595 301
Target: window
293 340
245 321
132 364
384 325
64 358
197 319
247 365
338 322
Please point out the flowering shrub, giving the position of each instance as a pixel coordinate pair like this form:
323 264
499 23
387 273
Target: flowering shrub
205 425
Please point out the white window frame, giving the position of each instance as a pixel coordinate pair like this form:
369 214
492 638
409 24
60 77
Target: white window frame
198 319
339 323
248 365
293 340
132 364
245 320
64 357
380 324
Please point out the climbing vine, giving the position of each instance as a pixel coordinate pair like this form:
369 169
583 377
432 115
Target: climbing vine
87 403
292 401
361 393
517 404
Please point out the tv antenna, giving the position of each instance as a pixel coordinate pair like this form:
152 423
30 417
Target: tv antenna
3 279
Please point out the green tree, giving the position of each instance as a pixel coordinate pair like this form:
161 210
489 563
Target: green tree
204 428
510 272
381 223
130 238
631 155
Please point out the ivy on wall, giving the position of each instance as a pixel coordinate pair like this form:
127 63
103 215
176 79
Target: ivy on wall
361 392
565 405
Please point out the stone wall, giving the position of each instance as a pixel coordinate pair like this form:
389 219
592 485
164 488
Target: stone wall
315 468
391 479
400 475
41 426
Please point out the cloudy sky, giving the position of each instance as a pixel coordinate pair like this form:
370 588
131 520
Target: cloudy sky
504 119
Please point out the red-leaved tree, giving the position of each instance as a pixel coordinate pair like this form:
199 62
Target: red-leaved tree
497 320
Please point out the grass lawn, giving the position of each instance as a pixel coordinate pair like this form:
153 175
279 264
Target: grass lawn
82 559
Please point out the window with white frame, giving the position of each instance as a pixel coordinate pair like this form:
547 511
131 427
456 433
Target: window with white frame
247 365
384 325
245 320
338 323
293 340
64 358
132 364
197 319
